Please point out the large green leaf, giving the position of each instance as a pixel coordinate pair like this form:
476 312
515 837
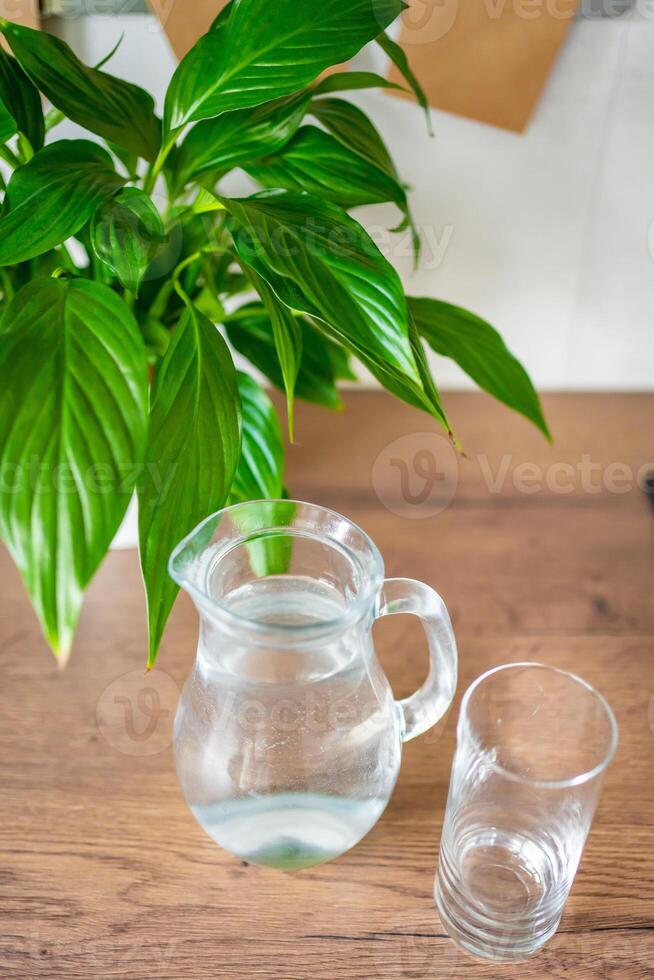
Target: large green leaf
21 98
264 50
116 110
428 383
221 19
352 127
8 127
214 146
250 332
126 233
260 471
399 58
260 476
316 162
321 262
287 335
357 134
53 196
73 415
129 160
192 455
480 351
350 81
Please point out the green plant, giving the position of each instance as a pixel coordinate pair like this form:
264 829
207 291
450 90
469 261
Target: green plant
116 255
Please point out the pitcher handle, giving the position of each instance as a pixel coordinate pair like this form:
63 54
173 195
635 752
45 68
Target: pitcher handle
427 706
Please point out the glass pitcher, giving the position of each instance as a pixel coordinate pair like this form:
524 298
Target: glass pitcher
287 736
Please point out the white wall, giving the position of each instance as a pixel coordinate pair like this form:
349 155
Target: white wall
548 234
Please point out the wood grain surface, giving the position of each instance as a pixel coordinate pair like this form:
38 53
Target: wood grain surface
104 872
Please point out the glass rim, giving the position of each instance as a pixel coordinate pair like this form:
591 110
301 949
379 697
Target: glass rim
572 781
352 612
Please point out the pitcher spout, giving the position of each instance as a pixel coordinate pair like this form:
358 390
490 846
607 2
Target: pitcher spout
188 562
279 566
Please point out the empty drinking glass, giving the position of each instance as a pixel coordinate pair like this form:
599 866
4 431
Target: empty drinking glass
533 744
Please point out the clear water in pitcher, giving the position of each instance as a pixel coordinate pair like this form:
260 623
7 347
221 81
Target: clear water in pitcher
286 600
293 830
289 830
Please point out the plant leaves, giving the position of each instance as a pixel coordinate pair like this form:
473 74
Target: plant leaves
260 471
428 383
22 100
269 554
125 234
221 19
287 336
349 81
250 333
352 127
193 451
339 357
53 196
110 107
214 146
401 62
354 130
480 351
129 160
316 162
73 414
260 476
8 127
109 55
262 51
321 262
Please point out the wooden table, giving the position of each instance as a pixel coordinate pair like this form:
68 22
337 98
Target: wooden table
106 874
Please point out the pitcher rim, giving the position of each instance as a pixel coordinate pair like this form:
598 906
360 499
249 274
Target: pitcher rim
352 612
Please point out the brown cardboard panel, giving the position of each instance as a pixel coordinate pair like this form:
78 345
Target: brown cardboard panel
25 12
184 21
485 59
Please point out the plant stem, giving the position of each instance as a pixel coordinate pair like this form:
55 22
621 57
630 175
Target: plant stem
9 156
153 172
53 118
179 289
25 148
7 284
208 268
160 302
148 180
65 254
155 169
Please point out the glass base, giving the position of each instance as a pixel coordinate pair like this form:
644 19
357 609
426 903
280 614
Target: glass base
489 941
